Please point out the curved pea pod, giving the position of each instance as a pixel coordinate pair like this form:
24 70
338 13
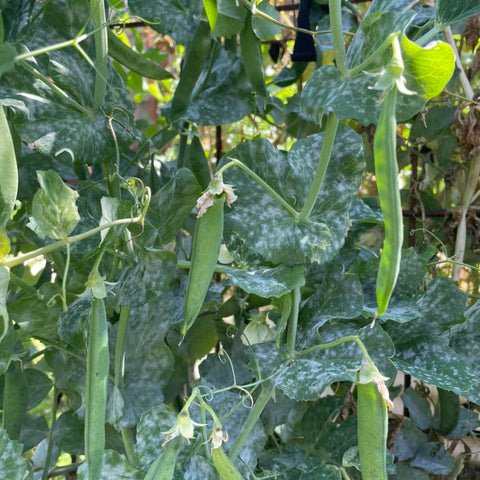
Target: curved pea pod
98 362
8 180
372 419
386 172
224 466
163 467
207 239
251 49
134 61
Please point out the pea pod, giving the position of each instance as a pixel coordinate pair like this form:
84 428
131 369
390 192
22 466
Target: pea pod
224 466
372 419
134 61
163 467
15 400
192 67
207 239
98 362
8 180
251 49
386 172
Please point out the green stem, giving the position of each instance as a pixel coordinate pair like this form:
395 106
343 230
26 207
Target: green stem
51 48
64 279
325 154
336 25
20 283
252 419
101 52
129 444
261 182
120 345
293 321
68 240
335 343
48 455
430 35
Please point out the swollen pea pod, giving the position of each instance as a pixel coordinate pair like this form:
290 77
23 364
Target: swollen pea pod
192 67
163 467
372 422
251 49
207 239
98 362
224 466
134 61
386 172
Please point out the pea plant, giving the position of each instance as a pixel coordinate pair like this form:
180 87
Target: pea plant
237 244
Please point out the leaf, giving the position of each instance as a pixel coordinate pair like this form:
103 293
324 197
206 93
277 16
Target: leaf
54 207
407 441
431 360
323 305
230 19
266 282
449 403
197 468
222 93
12 465
265 29
451 11
34 430
15 400
418 407
431 67
433 458
39 385
257 228
468 421
114 466
178 19
406 471
170 207
152 274
71 324
68 433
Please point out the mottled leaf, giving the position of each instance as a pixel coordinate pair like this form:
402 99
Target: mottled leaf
257 228
114 466
12 465
450 11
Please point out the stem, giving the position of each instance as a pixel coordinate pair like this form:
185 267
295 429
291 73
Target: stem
64 279
129 444
120 345
68 240
51 48
335 8
262 183
252 419
335 343
101 52
293 321
48 455
325 154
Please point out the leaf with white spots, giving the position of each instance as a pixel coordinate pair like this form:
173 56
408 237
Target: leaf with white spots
258 228
431 360
114 466
12 465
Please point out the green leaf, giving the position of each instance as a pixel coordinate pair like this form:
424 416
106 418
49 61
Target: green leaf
230 19
406 471
151 429
468 421
264 29
197 468
431 67
34 430
431 360
170 207
294 464
323 305
54 208
178 19
433 458
141 283
39 384
257 228
114 466
449 403
418 407
222 94
12 465
451 11
4 281
68 433
407 441
72 323
266 282
15 400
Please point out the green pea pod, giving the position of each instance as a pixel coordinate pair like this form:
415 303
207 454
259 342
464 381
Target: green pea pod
192 67
98 362
207 239
251 49
134 61
372 419
8 180
15 400
163 467
386 172
224 466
